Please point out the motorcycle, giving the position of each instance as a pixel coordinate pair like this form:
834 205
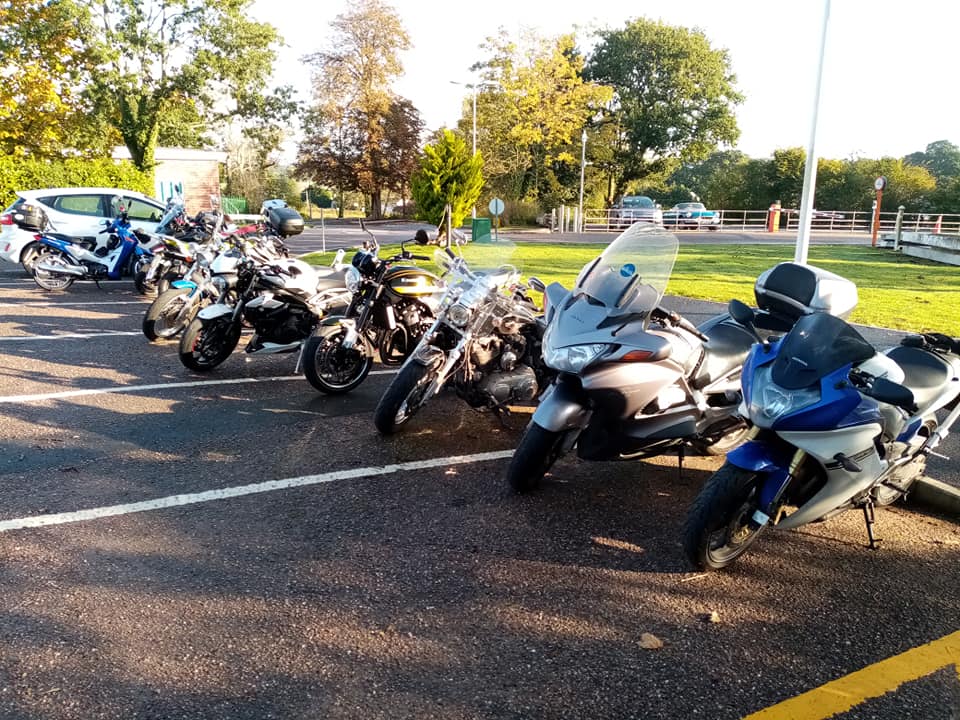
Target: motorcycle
63 260
283 301
485 341
635 379
837 426
391 307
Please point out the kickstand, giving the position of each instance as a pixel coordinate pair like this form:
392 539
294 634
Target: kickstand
869 518
680 452
296 370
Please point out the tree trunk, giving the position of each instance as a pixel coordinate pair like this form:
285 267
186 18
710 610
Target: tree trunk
376 208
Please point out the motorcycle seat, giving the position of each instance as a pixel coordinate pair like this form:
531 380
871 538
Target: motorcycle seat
85 242
924 373
725 350
334 280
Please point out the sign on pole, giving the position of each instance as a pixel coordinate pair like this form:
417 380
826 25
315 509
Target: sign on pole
496 208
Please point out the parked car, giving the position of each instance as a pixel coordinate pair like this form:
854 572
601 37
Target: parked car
77 212
691 215
635 208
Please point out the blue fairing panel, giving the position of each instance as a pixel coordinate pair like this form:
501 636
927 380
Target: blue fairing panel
757 457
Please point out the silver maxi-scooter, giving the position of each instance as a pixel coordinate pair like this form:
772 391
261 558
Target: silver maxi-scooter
635 379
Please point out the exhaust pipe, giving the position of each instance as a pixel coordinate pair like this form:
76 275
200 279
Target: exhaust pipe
60 269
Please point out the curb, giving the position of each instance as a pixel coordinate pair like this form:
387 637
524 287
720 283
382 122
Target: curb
936 495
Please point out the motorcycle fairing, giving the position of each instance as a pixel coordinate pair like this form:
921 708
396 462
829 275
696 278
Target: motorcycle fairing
563 406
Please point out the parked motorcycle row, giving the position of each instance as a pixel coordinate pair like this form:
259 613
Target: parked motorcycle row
812 418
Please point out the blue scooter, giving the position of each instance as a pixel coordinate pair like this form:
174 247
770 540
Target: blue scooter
64 259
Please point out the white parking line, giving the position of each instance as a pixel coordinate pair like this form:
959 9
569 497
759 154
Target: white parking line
240 490
22 399
34 303
72 336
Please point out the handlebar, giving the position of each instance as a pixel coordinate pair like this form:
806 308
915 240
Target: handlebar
681 322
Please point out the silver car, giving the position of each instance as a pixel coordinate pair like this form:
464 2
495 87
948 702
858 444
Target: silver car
635 208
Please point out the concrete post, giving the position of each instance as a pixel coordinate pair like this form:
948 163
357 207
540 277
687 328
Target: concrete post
898 229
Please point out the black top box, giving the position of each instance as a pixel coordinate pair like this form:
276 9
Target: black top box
285 221
30 217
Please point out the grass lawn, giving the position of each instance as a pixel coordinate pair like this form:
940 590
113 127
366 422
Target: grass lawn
895 291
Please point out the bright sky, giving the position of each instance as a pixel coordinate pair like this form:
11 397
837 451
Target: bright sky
889 85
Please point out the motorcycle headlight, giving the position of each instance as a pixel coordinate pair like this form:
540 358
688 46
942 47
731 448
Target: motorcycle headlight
351 279
573 358
220 283
458 315
769 402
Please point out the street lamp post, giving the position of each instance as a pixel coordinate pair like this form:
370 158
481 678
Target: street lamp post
473 89
583 165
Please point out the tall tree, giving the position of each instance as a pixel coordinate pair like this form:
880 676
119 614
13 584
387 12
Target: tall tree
449 173
158 54
45 60
347 124
674 96
941 158
532 107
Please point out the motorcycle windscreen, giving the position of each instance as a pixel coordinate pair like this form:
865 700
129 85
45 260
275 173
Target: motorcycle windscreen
631 275
818 345
174 209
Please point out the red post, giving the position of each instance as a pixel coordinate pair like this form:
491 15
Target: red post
773 217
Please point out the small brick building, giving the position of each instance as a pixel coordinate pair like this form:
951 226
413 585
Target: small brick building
194 174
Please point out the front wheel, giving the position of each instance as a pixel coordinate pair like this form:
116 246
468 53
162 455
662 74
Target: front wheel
330 367
206 344
49 280
404 397
166 317
720 526
142 285
538 450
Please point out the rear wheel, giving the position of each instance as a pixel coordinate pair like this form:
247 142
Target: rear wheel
163 317
538 450
28 256
720 526
330 367
51 280
206 344
404 397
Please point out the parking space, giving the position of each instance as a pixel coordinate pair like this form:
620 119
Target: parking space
235 545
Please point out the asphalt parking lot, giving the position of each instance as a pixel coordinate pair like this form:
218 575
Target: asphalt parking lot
234 545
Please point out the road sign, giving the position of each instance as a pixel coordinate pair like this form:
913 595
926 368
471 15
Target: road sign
496 207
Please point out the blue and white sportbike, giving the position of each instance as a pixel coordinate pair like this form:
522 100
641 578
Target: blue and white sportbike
64 259
836 426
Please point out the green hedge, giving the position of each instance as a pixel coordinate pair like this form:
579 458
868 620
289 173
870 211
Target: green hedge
26 174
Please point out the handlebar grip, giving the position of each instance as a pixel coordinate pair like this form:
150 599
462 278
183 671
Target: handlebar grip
420 257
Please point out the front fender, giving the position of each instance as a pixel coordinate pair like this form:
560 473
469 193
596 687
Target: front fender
427 355
757 457
563 407
184 285
212 312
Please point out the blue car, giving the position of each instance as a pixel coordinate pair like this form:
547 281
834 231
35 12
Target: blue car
691 215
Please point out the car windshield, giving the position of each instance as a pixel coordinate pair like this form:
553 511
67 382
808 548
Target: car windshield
816 346
631 275
637 201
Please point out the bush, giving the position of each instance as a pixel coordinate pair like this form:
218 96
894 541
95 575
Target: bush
27 174
519 212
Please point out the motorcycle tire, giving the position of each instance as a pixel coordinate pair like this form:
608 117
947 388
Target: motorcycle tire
403 398
144 286
329 367
724 444
538 450
204 345
28 257
52 280
160 320
718 527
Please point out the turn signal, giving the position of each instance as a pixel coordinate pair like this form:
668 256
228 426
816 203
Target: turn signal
637 356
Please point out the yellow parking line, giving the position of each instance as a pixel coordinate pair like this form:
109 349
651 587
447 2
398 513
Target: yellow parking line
872 681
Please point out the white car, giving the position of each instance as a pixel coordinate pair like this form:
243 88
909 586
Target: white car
77 212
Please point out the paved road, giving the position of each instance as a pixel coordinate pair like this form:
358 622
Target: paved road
359 588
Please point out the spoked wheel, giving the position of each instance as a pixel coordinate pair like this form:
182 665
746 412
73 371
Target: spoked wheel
52 280
330 367
405 396
538 450
166 317
204 345
720 526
